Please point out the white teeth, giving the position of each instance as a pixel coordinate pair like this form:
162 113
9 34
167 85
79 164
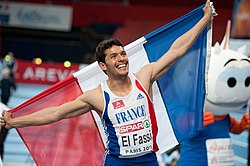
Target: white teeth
120 66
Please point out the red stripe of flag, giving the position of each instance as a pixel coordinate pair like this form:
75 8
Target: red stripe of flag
74 141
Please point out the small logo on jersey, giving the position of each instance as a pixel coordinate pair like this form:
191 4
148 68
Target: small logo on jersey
146 123
118 104
131 127
139 97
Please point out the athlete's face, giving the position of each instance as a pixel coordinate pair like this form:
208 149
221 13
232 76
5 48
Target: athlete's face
116 61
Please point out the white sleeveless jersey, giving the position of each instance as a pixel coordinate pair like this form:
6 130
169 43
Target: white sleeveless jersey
129 122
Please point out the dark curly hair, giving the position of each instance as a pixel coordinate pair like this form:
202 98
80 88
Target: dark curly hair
103 46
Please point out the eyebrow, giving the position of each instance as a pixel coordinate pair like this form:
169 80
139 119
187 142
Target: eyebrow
245 60
115 53
230 60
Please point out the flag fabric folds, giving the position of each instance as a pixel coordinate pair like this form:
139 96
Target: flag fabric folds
178 100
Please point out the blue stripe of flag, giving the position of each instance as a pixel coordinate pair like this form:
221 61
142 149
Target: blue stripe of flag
183 87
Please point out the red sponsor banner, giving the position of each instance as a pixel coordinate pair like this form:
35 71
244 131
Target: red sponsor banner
45 73
131 127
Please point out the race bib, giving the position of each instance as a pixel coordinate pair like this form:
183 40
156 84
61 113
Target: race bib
220 152
135 139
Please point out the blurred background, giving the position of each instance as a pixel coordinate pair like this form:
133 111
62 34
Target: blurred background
51 39
60 30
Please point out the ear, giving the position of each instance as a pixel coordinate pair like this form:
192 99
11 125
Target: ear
224 43
217 48
102 66
242 49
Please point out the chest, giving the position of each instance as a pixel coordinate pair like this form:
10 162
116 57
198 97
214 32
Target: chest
126 110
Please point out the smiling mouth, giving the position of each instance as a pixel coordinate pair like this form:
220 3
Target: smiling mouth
121 66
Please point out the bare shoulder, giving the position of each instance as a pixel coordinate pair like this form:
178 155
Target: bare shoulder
95 91
148 68
144 75
94 97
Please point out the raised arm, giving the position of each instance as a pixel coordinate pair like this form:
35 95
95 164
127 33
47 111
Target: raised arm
49 115
178 48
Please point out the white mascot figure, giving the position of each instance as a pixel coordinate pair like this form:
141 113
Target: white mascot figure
228 90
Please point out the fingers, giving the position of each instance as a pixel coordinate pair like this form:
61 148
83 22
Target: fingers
209 10
208 118
3 113
3 118
245 117
2 122
208 115
245 121
208 2
213 9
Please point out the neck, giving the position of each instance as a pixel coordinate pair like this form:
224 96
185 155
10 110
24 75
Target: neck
121 86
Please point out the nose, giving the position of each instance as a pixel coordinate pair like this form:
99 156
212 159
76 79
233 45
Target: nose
120 57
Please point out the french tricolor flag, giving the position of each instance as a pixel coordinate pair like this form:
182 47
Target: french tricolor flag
178 100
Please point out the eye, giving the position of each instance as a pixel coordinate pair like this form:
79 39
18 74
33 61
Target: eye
123 53
113 57
231 82
247 81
